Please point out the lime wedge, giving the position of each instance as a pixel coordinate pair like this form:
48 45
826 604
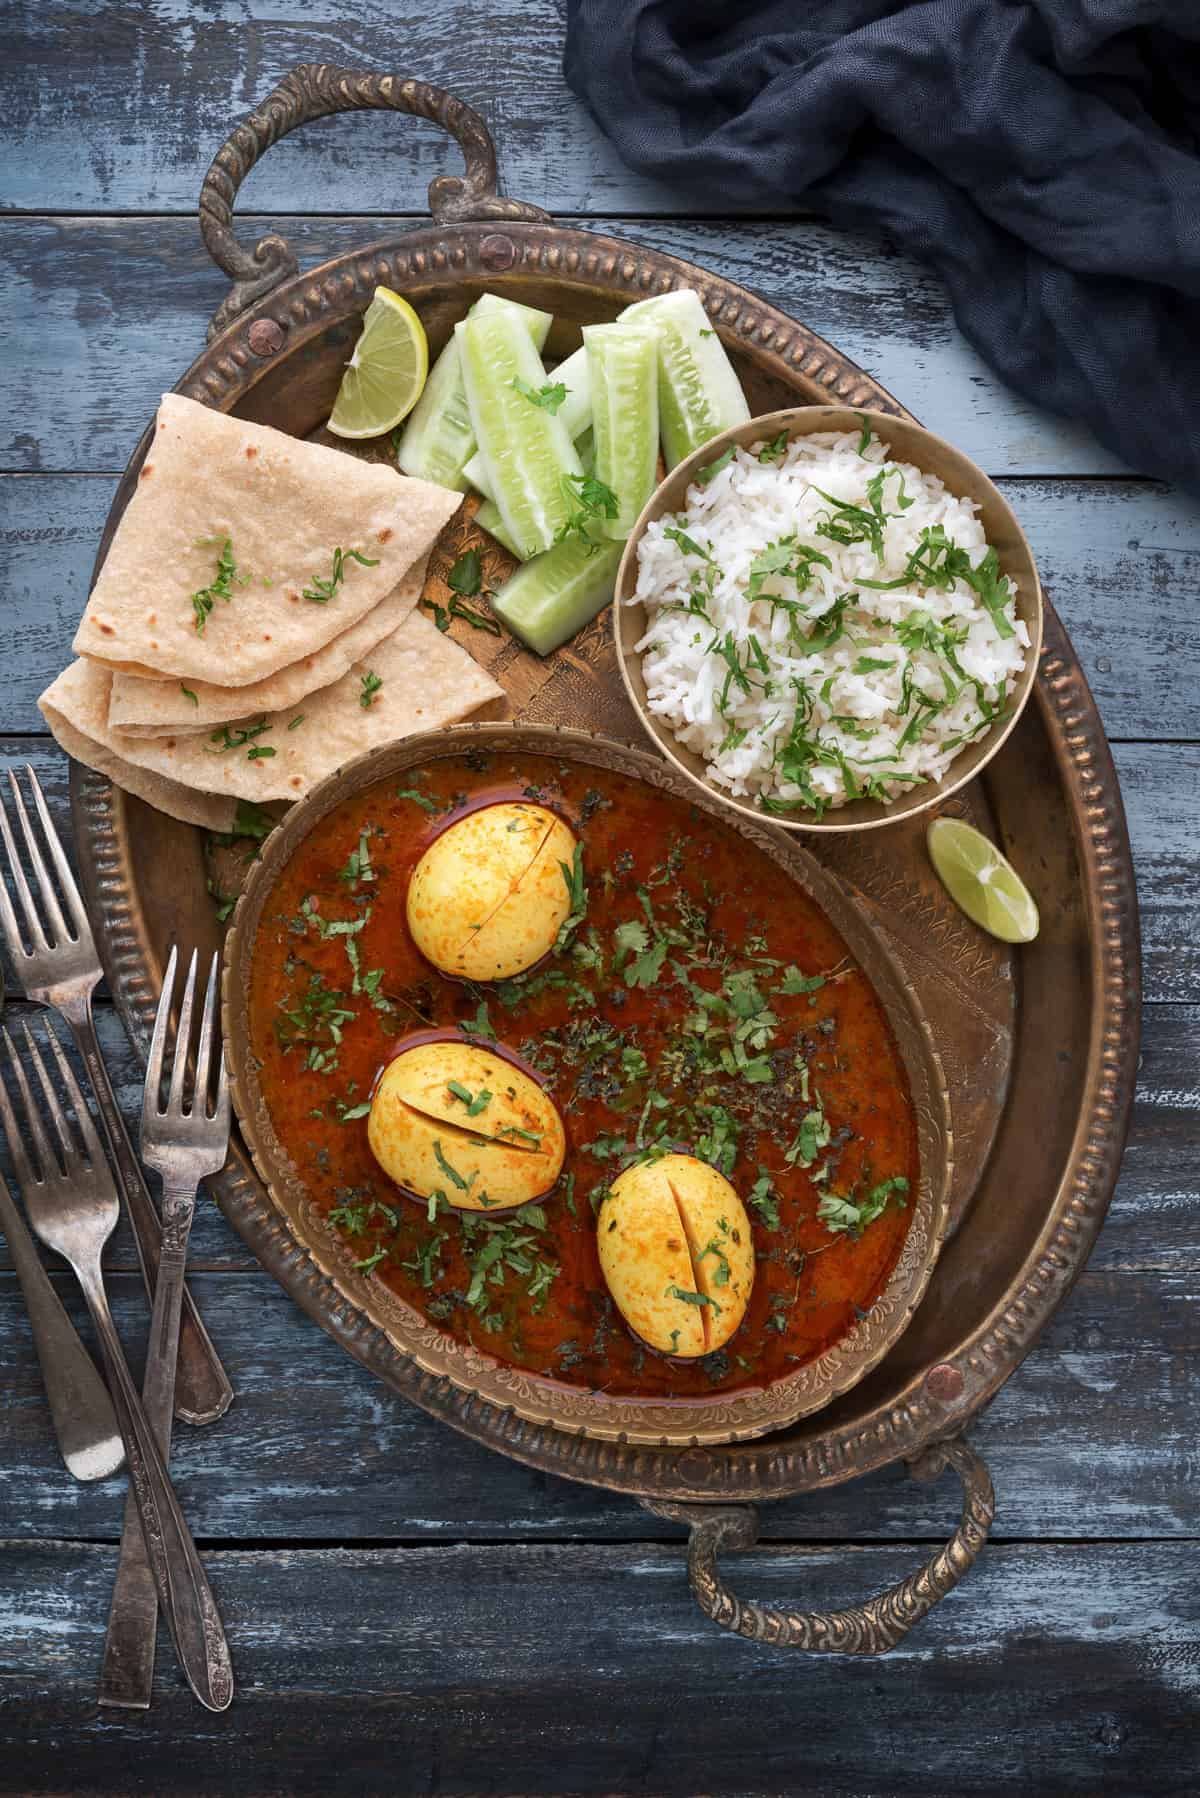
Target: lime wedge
385 375
981 882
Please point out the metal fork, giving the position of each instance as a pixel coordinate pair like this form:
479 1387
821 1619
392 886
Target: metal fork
182 1145
63 973
72 1205
80 1408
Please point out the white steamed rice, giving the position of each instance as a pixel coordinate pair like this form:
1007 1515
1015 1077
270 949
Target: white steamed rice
748 684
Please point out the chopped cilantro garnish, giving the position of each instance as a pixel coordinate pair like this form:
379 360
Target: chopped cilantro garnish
325 586
548 398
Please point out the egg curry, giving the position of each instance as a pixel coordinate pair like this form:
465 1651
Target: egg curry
583 1076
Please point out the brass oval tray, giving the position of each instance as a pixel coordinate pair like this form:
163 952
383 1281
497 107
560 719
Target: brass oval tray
1040 1055
678 1422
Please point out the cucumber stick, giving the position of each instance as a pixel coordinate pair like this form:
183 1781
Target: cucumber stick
556 594
623 376
575 412
576 409
699 396
438 440
528 456
487 517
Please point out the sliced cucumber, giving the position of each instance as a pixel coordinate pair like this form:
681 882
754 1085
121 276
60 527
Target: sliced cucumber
527 453
699 396
438 440
623 373
476 475
576 409
487 517
575 412
556 594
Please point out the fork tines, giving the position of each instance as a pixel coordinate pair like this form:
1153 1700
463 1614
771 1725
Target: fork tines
184 1121
78 930
69 1162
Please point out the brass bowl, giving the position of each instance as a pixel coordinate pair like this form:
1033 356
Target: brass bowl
908 442
723 1417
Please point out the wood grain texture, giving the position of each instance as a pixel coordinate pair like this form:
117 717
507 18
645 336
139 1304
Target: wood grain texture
111 311
1094 1438
587 1669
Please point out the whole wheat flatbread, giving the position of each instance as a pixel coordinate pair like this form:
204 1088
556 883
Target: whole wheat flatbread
156 708
88 702
284 506
427 680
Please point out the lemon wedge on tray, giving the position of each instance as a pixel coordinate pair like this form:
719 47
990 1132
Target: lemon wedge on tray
385 375
981 881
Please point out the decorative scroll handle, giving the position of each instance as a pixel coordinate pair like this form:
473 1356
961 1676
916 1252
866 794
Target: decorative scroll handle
313 91
871 1628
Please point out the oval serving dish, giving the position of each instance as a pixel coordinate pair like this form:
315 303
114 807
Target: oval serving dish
728 1415
906 442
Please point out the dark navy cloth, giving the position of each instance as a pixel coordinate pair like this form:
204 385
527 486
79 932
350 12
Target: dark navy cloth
1041 155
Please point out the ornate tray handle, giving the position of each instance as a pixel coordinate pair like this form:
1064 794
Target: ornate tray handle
313 91
870 1628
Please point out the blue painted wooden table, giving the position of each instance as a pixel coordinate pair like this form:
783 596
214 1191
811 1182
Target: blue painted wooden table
409 1612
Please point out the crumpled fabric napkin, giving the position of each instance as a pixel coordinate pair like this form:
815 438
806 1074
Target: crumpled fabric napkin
1040 155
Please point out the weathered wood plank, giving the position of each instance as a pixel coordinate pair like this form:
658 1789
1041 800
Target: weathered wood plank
588 1669
1093 1438
127 107
1114 556
112 311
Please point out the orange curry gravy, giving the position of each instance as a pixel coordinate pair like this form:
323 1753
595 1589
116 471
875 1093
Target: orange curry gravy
627 1065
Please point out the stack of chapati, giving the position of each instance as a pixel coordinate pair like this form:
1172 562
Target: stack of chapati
256 622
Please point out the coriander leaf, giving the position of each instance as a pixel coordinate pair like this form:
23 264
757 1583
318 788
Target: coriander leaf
632 936
577 897
864 442
441 616
324 587
795 982
687 544
705 475
547 398
221 587
480 1024
371 683
692 1298
426 804
871 664
450 1172
647 967
466 576
188 694
223 904
480 621
762 1197
775 450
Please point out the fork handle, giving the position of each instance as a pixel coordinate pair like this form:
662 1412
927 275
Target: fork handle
80 1408
127 1671
202 1389
180 1581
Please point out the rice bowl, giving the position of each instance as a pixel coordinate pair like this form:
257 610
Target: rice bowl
825 623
